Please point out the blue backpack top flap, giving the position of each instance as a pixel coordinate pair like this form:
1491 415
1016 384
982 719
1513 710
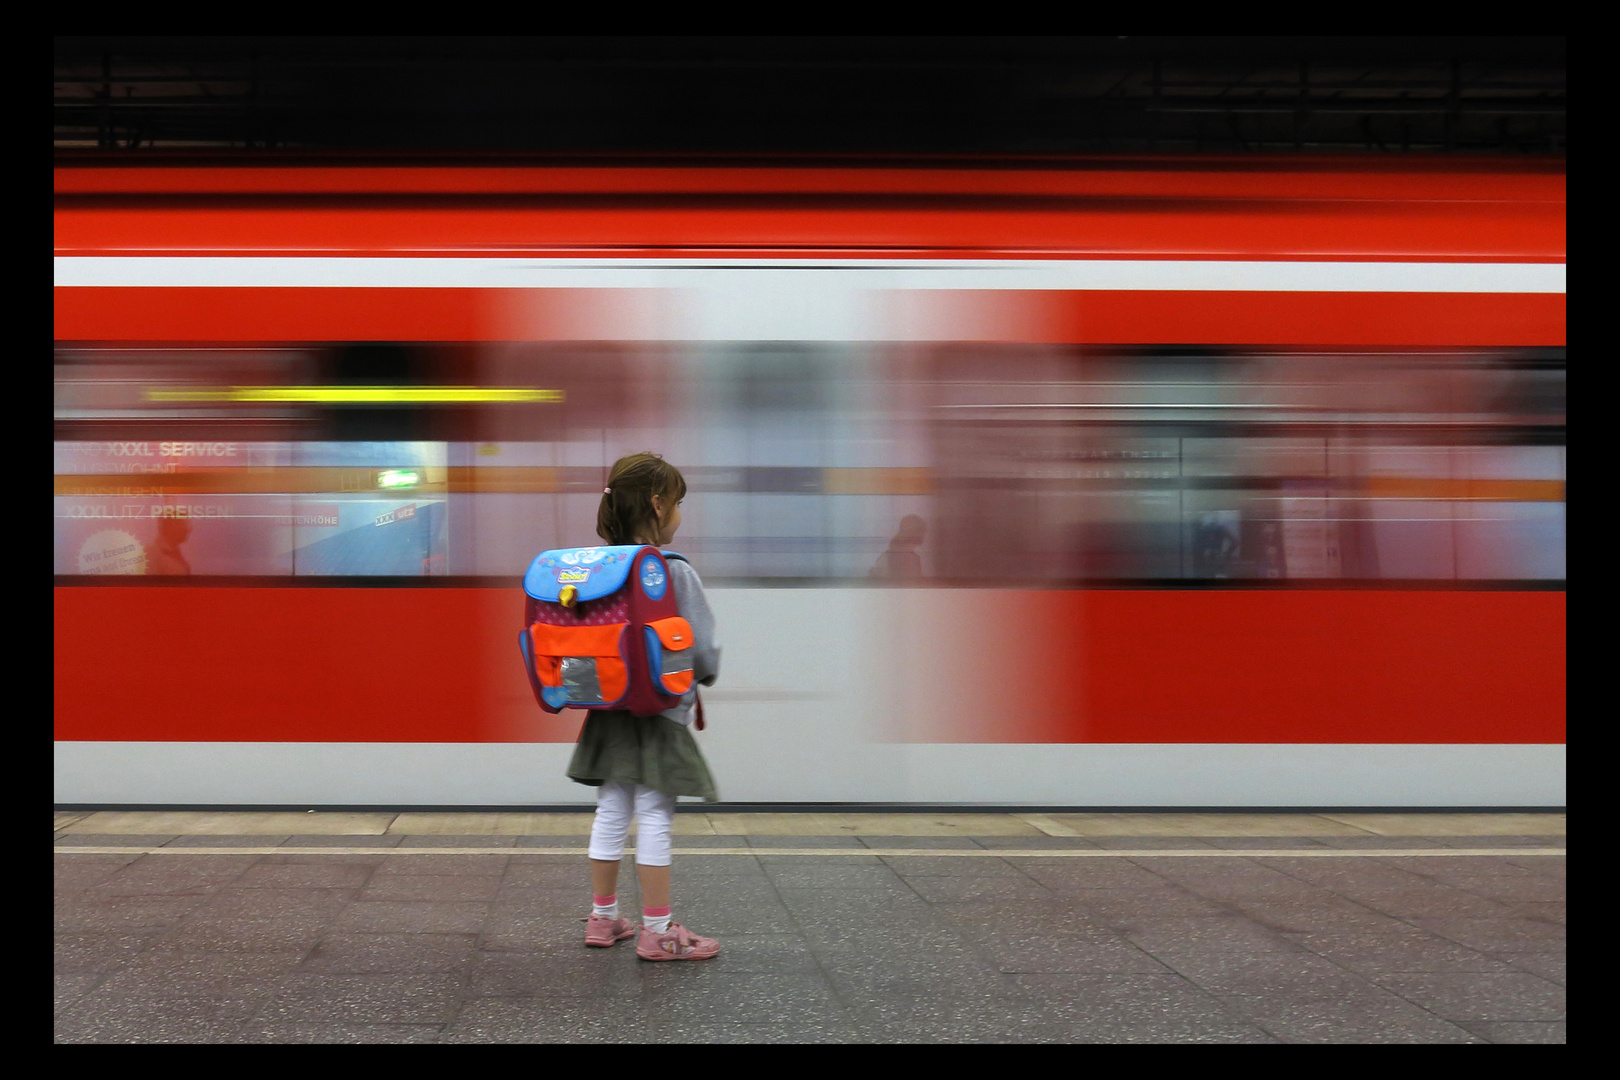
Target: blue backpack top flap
594 571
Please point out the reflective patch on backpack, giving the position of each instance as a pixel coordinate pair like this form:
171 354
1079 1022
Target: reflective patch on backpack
579 679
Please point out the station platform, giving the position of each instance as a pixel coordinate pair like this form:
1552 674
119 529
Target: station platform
915 927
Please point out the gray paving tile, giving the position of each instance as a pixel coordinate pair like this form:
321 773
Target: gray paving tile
1548 911
436 840
1347 877
1036 843
100 952
1480 995
558 969
1530 889
546 874
568 844
1235 881
738 867
766 842
739 1033
1243 843
704 992
1429 902
1548 965
71 872
915 866
324 997
430 887
334 1034
73 985
979 887
1307 976
1087 953
157 982
1383 843
923 1010
152 887
925 842
216 840
406 954
243 935
322 874
547 1020
115 1026
552 899
1129 909
721 864
1507 935
1144 843
129 840
1399 948
1460 868
161 966
1172 1028
383 840
114 1017
1108 1000
1231 933
1518 1032
1368 1016
867 875
270 902
492 865
407 917
690 841
121 914
1545 866
1326 914
505 931
765 954
1069 875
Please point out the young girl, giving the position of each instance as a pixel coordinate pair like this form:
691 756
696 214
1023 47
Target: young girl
640 764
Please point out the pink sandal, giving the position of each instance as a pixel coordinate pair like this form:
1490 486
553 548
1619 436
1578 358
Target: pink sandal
601 931
676 943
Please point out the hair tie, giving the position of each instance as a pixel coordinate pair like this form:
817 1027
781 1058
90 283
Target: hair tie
607 491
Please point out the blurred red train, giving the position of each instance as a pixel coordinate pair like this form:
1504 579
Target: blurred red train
1105 482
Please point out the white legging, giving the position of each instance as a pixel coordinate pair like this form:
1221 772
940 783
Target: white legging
654 813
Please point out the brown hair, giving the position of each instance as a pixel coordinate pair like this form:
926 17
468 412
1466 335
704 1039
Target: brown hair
627 510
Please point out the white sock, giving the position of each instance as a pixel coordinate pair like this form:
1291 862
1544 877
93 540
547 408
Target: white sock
658 924
609 910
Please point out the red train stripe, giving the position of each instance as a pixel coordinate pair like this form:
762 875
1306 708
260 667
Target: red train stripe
1210 176
1144 228
161 314
211 664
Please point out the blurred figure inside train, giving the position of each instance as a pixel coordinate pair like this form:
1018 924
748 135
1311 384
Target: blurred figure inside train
900 561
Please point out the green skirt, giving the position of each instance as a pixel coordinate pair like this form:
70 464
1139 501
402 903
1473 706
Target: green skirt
650 750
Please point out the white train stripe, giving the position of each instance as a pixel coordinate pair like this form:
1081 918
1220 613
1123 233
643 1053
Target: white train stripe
888 853
813 275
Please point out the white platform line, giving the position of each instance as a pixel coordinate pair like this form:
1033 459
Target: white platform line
936 853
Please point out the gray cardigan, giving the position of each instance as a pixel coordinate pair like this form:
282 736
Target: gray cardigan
694 608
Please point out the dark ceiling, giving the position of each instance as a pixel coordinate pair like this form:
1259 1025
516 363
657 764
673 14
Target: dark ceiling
812 95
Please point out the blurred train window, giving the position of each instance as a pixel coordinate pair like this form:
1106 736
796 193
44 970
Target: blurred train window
951 464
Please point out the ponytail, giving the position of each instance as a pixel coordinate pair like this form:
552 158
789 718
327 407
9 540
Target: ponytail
626 511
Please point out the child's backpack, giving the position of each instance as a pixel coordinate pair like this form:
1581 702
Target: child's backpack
601 631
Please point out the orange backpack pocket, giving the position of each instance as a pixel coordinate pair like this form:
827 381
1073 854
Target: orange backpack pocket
669 653
580 665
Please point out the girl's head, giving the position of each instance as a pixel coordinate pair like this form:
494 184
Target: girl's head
642 503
